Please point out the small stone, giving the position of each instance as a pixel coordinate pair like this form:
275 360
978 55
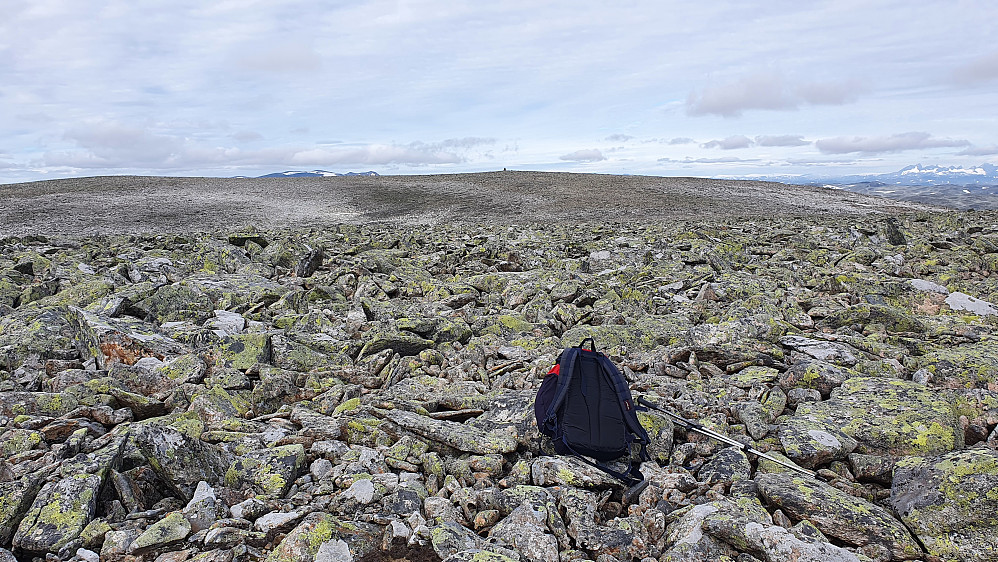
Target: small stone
249 509
361 491
320 468
485 518
87 555
277 520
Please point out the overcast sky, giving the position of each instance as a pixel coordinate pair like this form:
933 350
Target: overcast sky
708 88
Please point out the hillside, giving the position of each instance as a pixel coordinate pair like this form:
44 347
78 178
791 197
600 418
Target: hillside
123 204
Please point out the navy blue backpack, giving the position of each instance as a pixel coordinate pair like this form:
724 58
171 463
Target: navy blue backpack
585 406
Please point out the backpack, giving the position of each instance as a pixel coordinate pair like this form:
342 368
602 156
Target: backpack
584 405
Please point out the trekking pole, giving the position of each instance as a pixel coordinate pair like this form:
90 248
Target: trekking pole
722 438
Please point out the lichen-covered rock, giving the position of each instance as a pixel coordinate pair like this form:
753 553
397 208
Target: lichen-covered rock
569 471
242 351
15 499
401 342
124 340
269 471
974 365
827 351
524 530
891 318
478 555
322 532
686 540
744 524
36 403
810 443
889 416
753 375
814 375
169 530
26 332
644 334
204 508
660 431
774 543
459 436
837 514
16 441
621 538
215 405
950 502
449 538
727 465
63 507
275 388
180 460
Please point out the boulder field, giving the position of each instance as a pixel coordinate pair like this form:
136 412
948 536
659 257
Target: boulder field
365 392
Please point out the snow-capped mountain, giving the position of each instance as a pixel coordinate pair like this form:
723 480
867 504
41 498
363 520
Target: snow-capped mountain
957 175
958 187
315 174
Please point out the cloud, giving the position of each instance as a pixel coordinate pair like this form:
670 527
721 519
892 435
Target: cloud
619 138
729 143
767 90
109 144
722 160
586 155
115 143
781 140
978 71
894 143
247 136
281 58
979 151
466 142
830 93
376 154
681 140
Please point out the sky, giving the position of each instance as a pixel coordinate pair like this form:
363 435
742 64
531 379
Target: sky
725 88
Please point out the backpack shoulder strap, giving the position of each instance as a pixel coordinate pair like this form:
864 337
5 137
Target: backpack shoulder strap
626 403
566 362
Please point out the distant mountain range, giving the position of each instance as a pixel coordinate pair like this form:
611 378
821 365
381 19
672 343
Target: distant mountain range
315 174
949 186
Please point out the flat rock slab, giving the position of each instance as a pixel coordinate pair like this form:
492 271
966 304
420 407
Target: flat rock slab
810 443
965 302
967 366
457 435
36 403
567 471
831 352
837 514
114 340
888 416
951 502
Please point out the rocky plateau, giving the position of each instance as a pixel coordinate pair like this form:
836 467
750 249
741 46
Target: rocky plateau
358 385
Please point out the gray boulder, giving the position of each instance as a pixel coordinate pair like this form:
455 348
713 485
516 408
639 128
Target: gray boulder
180 460
888 416
810 443
950 502
849 519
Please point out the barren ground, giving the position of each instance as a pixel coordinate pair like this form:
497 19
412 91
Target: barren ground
127 204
